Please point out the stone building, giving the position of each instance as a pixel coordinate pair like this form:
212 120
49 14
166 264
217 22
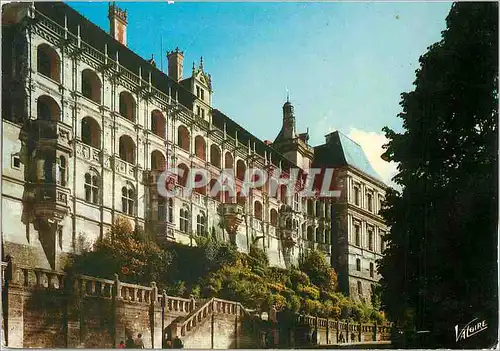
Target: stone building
89 126
358 228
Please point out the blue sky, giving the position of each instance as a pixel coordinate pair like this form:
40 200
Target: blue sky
344 63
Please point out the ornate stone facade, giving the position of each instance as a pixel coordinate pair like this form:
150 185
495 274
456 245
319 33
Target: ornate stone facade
88 127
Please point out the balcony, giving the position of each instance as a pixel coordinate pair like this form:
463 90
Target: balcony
289 238
164 231
125 168
48 134
49 200
87 152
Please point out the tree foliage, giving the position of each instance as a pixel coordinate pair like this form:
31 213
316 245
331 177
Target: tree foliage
130 253
440 265
313 263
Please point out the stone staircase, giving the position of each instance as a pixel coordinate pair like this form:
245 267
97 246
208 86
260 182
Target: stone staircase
186 326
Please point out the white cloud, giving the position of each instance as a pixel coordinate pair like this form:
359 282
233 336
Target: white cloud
371 143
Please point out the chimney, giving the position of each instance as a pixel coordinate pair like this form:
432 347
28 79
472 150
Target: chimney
118 23
330 137
175 59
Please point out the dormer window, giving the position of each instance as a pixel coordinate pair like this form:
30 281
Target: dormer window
198 92
202 94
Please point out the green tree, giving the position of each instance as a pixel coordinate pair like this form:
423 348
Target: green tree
313 263
130 253
440 265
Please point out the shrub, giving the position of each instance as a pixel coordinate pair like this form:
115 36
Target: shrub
314 264
309 292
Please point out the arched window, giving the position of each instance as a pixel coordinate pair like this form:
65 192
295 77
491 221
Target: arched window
91 188
61 171
310 233
91 132
157 161
227 198
319 235
183 138
240 170
240 199
91 85
48 62
170 217
228 161
199 147
184 220
127 149
48 109
158 123
273 188
372 269
283 193
216 196
358 264
319 208
215 155
200 224
128 199
257 210
161 209
274 217
127 106
183 174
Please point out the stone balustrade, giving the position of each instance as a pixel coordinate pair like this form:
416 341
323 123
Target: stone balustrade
137 293
178 304
88 152
213 305
92 286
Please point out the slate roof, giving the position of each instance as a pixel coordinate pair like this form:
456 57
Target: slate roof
343 151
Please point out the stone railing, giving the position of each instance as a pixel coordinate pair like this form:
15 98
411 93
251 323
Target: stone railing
92 286
361 332
179 304
137 293
184 325
124 167
88 152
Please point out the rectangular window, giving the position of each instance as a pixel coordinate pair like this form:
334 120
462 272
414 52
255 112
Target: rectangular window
370 240
356 196
203 113
382 243
358 264
198 111
16 162
369 200
202 94
357 235
197 91
372 270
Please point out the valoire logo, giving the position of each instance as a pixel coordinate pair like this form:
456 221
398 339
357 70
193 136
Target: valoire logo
472 328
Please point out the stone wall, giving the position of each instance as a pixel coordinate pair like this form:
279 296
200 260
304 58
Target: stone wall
47 309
